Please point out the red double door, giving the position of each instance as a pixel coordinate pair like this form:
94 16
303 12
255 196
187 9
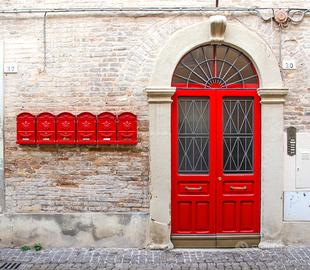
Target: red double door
215 162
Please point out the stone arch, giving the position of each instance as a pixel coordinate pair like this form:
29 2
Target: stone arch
236 35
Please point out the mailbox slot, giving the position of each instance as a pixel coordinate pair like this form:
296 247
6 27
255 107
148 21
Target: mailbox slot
66 127
127 128
106 128
86 128
25 128
46 128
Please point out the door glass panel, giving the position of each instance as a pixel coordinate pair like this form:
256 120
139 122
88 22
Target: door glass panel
193 135
237 135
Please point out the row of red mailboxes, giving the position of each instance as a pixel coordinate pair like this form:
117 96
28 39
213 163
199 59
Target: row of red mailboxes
85 128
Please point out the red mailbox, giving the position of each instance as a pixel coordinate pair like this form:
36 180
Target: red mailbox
86 128
65 124
127 128
25 126
106 126
45 128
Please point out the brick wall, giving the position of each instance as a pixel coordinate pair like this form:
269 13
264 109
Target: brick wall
97 63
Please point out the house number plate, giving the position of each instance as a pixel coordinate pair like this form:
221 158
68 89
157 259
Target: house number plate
289 64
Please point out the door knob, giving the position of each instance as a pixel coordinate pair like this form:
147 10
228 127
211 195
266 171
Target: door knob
219 178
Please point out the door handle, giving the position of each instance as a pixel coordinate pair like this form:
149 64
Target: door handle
238 188
219 178
193 188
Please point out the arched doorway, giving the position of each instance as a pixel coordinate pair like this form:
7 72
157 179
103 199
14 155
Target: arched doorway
272 94
215 149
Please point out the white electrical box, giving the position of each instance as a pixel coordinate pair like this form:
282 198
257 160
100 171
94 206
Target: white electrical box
303 161
296 203
297 206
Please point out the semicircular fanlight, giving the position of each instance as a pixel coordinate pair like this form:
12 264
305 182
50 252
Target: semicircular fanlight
215 66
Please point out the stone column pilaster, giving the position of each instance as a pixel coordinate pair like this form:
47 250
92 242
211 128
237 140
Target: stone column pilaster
2 195
160 167
272 165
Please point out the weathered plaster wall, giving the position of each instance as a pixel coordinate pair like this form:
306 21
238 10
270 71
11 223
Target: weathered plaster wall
78 230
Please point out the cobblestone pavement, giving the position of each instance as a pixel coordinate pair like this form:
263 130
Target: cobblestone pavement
96 259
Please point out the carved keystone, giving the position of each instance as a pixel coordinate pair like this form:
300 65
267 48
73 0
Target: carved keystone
218 27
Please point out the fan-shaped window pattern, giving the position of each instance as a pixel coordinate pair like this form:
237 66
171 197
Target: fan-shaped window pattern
215 66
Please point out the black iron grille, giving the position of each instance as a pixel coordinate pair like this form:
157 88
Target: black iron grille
215 66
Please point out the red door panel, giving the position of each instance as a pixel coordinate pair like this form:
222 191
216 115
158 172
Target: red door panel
193 188
225 197
202 217
238 164
228 216
215 170
185 220
245 187
193 185
194 218
247 212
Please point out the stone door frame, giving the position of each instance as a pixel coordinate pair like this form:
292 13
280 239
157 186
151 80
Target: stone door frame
272 93
2 195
